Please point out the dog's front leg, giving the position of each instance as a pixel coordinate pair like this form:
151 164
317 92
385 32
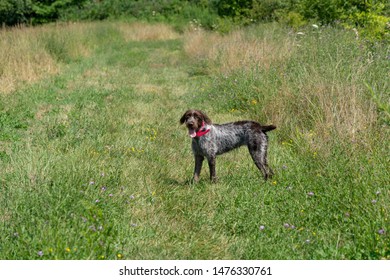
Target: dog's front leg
213 176
198 167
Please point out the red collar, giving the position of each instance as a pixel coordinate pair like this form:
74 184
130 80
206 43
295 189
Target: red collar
203 130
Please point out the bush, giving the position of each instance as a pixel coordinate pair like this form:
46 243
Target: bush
14 12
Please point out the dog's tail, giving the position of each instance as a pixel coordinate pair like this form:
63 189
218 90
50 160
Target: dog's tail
266 128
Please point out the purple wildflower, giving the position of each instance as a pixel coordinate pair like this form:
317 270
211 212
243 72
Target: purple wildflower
132 196
40 253
97 201
104 188
286 225
110 195
310 193
381 231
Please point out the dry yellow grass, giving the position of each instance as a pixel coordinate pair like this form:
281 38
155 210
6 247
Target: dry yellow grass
29 54
337 108
23 58
235 50
147 32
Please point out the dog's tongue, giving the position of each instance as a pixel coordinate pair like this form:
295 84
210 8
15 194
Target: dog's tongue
192 132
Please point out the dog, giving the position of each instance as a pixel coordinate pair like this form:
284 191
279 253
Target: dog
210 140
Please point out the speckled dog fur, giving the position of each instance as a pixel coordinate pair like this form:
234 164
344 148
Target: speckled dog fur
222 138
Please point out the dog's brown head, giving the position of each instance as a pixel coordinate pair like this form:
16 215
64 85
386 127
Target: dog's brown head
194 120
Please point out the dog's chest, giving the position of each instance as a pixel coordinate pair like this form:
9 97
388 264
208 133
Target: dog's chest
205 145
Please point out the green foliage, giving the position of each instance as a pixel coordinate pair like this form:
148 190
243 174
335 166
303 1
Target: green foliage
370 17
14 12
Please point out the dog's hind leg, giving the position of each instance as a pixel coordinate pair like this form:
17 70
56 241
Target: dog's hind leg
258 151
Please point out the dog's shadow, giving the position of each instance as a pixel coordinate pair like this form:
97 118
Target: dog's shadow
188 183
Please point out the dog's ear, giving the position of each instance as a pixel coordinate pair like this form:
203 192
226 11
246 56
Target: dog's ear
205 118
183 118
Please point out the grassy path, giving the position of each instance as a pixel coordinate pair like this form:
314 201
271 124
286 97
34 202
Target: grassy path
94 165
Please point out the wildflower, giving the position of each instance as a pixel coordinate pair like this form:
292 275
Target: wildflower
374 201
67 249
110 195
381 231
307 241
91 183
286 225
310 193
378 192
254 102
84 219
261 227
133 225
284 166
97 201
132 196
292 227
315 26
16 234
274 183
40 253
119 256
347 214
104 188
100 227
102 174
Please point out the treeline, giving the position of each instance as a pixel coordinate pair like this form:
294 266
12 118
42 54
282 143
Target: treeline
370 16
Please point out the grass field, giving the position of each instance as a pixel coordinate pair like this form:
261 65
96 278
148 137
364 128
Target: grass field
94 163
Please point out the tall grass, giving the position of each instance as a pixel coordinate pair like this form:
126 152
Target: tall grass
236 51
318 76
94 165
30 54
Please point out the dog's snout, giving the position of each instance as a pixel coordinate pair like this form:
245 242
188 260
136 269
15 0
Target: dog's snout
190 121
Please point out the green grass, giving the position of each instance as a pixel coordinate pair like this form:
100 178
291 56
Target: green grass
94 163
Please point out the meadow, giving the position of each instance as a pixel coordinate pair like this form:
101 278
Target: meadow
95 165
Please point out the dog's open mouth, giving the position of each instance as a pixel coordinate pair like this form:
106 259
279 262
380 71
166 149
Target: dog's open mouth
191 132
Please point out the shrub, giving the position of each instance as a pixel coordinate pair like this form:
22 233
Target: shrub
14 12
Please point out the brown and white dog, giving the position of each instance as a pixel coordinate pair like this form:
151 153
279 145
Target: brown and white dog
210 140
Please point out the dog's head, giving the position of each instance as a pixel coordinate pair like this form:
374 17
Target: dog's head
194 120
